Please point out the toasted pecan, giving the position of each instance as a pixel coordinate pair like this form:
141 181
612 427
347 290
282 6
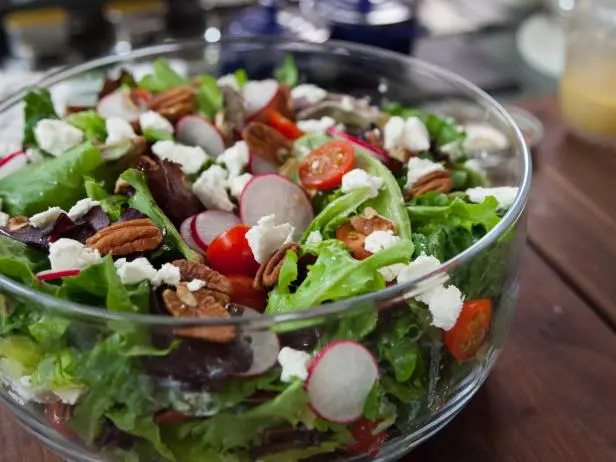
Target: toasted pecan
268 272
353 239
183 303
435 181
267 142
127 237
17 223
370 221
215 281
174 103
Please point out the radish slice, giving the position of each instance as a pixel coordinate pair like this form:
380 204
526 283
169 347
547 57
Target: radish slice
50 274
119 104
210 224
340 378
186 233
274 194
196 131
259 95
265 347
382 155
13 162
258 165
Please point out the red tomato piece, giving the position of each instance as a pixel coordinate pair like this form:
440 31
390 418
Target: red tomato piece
245 294
471 329
365 441
170 417
57 414
230 253
284 126
324 167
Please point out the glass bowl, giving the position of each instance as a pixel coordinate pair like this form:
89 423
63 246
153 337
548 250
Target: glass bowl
436 386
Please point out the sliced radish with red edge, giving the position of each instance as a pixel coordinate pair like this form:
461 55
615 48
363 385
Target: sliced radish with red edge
12 163
50 274
119 104
379 153
340 378
274 194
265 348
186 233
258 165
194 130
210 224
260 95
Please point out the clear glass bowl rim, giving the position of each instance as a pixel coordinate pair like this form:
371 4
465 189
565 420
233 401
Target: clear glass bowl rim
333 47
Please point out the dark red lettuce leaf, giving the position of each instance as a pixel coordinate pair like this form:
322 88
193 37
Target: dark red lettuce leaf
132 214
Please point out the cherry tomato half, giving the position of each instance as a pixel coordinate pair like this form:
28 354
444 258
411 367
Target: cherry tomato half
365 441
230 253
354 240
469 333
324 167
284 126
57 414
245 294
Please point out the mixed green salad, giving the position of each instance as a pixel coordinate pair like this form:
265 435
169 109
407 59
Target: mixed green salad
203 198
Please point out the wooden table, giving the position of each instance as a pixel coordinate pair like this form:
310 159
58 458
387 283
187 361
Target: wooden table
551 396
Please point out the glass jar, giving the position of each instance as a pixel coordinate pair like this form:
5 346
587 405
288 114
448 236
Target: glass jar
588 84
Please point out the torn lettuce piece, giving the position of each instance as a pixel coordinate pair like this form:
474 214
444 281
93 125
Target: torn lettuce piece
22 351
456 214
209 97
162 77
156 135
21 262
241 77
38 106
287 73
89 122
112 205
141 426
143 201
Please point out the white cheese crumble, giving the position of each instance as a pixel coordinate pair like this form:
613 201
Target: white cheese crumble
68 254
238 183
135 271
422 265
21 388
210 188
294 364
81 208
118 130
228 80
391 272
314 238
167 274
309 92
418 168
346 103
380 240
34 155
411 134
505 195
42 219
152 120
359 179
189 158
195 285
4 219
56 136
482 137
316 125
266 237
235 158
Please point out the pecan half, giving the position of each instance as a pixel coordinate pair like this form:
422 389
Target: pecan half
370 221
182 303
436 181
174 103
267 142
17 223
353 239
215 281
126 237
268 272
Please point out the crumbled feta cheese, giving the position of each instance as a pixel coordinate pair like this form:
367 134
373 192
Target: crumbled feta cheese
422 265
228 80
294 364
168 274
380 240
266 237
316 125
70 395
418 168
346 103
135 271
314 238
235 158
152 120
411 134
210 189
81 208
238 183
445 304
34 155
67 254
195 285
390 273
4 219
118 130
309 92
49 216
193 403
56 136
189 158
475 165
482 137
358 179
23 390
505 195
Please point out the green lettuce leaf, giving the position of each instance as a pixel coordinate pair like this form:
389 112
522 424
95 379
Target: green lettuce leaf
54 182
241 77
38 106
55 371
308 143
336 441
209 97
156 135
162 78
89 122
287 73
20 262
457 214
141 426
21 350
48 329
143 201
112 205
335 276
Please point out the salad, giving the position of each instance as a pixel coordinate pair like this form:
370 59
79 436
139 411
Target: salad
205 198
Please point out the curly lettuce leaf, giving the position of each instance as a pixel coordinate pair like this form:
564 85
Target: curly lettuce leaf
334 276
156 135
143 201
112 205
457 214
54 182
162 78
21 350
89 122
287 73
209 96
20 262
241 77
38 106
141 426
